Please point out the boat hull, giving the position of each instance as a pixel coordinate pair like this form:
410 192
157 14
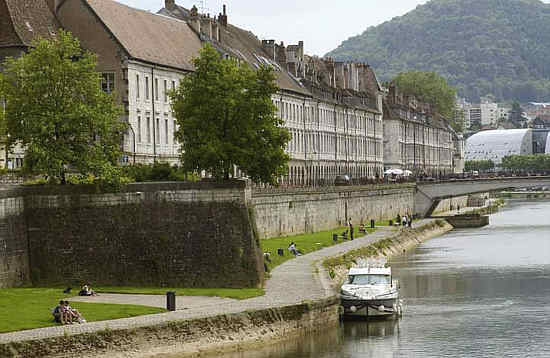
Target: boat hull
372 308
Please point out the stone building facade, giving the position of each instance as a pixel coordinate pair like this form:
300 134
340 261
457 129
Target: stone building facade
141 56
333 110
417 138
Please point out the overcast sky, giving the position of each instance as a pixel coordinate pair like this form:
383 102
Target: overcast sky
321 24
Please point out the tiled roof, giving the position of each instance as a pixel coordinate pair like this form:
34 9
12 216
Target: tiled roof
250 48
22 21
245 45
149 37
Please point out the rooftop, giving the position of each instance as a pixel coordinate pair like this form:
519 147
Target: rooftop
149 37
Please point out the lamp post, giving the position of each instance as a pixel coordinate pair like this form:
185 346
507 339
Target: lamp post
414 144
133 141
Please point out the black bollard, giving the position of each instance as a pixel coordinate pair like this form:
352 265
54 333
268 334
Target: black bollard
334 237
280 252
372 224
391 222
171 301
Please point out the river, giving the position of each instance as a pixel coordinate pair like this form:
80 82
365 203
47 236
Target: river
470 293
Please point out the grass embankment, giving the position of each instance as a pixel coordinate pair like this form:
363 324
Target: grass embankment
236 293
306 243
28 308
376 249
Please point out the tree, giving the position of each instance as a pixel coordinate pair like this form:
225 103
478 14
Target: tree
479 165
226 119
56 109
431 88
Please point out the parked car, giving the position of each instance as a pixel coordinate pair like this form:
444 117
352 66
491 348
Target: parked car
341 180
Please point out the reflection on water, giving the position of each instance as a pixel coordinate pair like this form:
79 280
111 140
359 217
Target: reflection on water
471 293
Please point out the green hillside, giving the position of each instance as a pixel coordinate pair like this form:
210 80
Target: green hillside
498 47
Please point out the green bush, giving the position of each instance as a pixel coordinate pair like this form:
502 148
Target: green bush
157 172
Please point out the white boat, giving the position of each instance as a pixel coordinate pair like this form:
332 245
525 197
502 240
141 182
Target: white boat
371 291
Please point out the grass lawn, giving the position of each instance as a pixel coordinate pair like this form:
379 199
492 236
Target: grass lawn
306 243
237 293
28 308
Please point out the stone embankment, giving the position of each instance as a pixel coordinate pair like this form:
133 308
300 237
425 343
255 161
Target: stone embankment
300 298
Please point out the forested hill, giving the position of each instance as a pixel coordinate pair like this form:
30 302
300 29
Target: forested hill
499 47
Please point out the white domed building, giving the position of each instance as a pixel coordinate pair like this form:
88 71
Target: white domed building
497 144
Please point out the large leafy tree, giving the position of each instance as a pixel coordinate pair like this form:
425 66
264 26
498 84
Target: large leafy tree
226 119
55 107
431 88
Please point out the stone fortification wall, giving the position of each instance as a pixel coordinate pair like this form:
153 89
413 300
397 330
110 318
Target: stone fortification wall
14 259
294 211
169 234
451 204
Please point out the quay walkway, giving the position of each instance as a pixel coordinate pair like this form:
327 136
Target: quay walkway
293 282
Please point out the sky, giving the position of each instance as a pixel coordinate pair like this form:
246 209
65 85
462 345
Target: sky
321 24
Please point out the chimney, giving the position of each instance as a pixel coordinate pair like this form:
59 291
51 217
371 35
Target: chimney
215 31
206 26
170 4
195 21
223 16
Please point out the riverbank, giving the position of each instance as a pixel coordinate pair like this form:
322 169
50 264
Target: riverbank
523 194
300 298
405 239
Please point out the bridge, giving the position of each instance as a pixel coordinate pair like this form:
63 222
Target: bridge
430 194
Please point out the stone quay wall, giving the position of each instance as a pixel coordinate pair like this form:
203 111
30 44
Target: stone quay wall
159 234
188 337
14 254
283 212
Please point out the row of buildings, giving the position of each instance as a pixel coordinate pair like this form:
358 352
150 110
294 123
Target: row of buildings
341 120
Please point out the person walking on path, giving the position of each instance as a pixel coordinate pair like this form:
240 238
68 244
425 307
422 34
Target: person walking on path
350 224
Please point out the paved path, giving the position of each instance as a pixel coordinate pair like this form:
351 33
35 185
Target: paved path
292 282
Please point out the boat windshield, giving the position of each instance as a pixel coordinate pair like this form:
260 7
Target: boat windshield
369 279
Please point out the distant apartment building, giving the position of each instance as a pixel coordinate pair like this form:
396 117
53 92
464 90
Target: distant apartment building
475 118
462 113
489 114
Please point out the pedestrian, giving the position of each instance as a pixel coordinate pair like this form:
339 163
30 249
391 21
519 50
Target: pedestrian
292 248
350 224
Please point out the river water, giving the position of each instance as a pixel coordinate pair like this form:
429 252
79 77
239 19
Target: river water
470 293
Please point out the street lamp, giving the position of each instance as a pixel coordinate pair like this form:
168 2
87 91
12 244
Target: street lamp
134 140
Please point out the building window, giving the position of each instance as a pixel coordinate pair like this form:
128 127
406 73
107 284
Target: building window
157 132
108 82
146 88
173 85
139 129
175 124
165 91
166 131
156 89
137 86
148 130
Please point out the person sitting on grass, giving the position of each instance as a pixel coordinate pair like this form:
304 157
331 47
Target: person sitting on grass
87 291
57 313
292 248
73 314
